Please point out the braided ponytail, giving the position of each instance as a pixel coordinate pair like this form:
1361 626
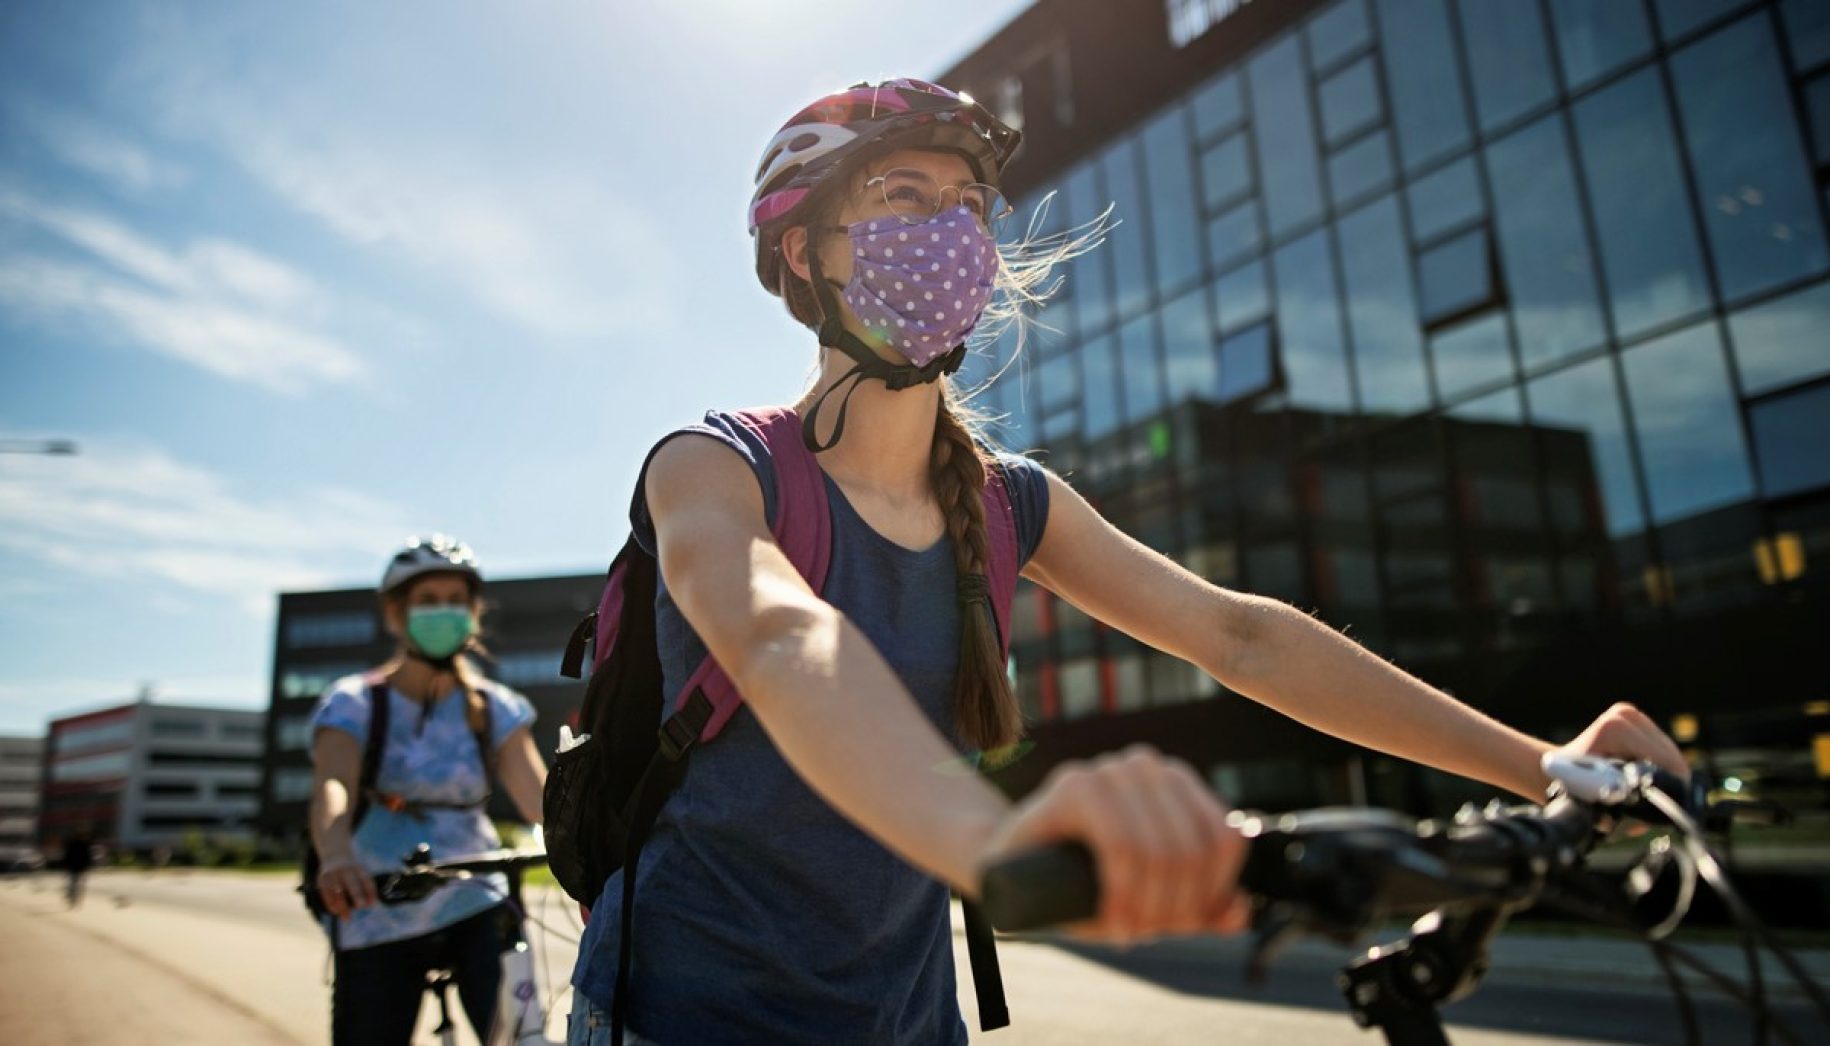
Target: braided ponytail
983 706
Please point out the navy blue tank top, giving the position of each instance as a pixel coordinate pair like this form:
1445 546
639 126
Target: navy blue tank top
762 914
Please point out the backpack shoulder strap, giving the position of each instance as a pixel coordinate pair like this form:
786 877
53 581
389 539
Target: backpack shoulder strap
1001 576
372 747
485 751
802 527
377 736
1001 532
803 523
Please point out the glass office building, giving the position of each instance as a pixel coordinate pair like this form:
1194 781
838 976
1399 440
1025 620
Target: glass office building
1496 333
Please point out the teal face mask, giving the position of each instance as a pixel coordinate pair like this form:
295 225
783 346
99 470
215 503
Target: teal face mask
439 631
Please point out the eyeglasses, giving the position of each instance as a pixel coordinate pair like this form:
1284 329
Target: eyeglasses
914 197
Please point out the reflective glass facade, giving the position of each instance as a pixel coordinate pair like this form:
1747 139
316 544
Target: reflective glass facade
1504 350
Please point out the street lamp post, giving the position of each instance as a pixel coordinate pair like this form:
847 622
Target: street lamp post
58 447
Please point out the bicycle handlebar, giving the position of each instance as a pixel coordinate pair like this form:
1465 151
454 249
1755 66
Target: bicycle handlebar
420 874
1336 872
1343 869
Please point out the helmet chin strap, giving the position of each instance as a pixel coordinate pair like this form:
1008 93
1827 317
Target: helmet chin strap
866 364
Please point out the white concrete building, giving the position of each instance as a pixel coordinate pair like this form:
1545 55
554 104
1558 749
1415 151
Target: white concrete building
149 774
21 775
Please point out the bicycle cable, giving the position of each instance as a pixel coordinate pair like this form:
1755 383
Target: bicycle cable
1712 873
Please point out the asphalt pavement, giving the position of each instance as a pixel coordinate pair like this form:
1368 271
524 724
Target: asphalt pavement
217 957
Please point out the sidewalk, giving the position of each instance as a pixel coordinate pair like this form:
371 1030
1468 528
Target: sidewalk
70 982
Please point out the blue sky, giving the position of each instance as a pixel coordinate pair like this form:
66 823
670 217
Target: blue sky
304 279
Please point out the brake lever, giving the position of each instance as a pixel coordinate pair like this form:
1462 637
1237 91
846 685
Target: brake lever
1273 930
403 887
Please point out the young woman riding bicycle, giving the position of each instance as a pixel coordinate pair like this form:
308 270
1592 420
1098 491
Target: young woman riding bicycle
795 886
447 731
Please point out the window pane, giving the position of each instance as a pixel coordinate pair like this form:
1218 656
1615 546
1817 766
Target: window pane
1350 101
1226 171
1782 341
1750 166
1548 273
1091 287
1382 310
1245 363
1060 381
1508 59
1275 569
1173 225
1235 234
1218 105
1790 434
1596 39
1126 243
1338 32
1289 174
1240 296
1360 169
1642 213
1677 17
1584 402
1078 685
1497 468
1143 377
1309 325
1689 430
1455 277
1808 28
1193 371
1100 407
1444 199
1470 355
1817 99
1425 86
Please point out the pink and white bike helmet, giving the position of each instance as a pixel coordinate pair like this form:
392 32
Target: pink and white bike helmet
819 139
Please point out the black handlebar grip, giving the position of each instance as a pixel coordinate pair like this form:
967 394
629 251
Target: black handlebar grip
1053 885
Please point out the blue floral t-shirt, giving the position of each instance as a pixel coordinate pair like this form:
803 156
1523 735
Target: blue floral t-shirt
430 755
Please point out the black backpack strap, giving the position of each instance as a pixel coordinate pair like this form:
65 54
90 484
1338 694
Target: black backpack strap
371 750
987 978
679 734
485 751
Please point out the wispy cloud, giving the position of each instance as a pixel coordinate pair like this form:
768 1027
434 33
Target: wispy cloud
218 305
554 242
89 146
135 514
559 256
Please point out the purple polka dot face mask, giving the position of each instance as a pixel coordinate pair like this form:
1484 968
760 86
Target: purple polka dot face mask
920 288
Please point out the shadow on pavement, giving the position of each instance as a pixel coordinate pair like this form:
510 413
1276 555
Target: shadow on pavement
1583 1008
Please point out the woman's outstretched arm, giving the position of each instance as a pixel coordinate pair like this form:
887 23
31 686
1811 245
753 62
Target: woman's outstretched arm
1287 660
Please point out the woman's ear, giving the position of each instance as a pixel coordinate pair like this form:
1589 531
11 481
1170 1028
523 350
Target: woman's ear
794 252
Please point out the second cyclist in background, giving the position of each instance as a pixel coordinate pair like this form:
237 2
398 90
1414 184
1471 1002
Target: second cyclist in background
403 755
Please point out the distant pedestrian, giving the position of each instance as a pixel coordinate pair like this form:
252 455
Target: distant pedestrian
79 857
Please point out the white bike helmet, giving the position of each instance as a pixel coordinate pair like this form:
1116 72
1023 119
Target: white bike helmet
438 554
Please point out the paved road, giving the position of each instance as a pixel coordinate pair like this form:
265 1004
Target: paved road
223 958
